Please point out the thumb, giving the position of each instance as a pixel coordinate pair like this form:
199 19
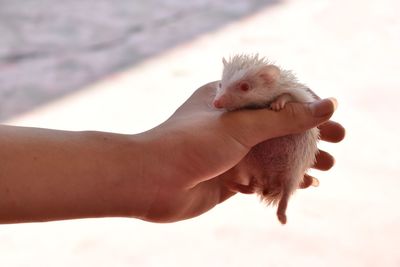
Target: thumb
262 124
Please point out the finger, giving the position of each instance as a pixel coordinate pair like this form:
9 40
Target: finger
308 180
207 195
256 126
240 188
331 131
324 161
225 193
201 99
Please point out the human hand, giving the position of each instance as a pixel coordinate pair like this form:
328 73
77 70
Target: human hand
197 147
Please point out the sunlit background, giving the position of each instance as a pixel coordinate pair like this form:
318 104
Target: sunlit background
125 66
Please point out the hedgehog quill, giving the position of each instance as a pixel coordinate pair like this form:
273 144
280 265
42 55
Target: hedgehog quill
277 166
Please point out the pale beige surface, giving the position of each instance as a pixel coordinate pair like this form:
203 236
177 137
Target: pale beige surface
346 49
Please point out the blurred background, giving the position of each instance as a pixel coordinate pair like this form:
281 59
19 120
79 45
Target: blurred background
125 66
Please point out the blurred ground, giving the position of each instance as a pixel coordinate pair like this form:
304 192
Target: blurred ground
48 49
346 49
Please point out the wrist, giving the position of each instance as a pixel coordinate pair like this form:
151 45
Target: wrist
160 172
138 187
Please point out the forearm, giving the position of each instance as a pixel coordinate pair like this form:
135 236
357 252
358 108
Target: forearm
52 175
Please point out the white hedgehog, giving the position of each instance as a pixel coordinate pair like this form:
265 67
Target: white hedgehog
277 166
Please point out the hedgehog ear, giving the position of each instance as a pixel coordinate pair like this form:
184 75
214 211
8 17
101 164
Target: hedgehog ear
224 62
270 73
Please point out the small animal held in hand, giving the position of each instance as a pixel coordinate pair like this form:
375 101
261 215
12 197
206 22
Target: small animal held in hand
276 166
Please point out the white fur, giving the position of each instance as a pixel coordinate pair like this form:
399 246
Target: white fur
240 65
286 159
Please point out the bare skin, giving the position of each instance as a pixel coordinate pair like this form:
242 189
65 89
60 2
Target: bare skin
173 172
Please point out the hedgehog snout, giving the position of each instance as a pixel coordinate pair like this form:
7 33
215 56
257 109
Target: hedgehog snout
217 103
220 101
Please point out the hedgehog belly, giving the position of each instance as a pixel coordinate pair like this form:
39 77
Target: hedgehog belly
280 163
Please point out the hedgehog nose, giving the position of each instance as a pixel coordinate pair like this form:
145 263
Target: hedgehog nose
217 103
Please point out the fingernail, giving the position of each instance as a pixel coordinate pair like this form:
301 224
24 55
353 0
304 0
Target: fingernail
315 182
322 108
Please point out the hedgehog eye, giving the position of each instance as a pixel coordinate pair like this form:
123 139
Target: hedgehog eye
244 86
